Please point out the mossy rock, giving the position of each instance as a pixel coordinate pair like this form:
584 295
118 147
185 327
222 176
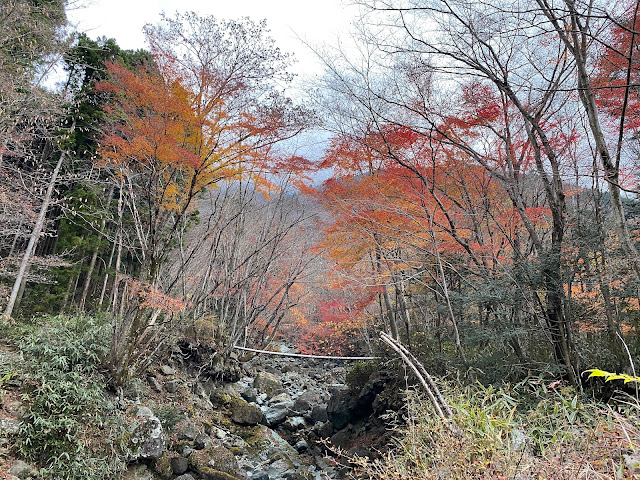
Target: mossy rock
209 473
268 383
280 456
246 413
360 373
217 458
162 466
220 398
255 437
207 425
263 439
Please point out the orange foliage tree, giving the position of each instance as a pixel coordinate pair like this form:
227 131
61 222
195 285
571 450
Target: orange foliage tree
207 111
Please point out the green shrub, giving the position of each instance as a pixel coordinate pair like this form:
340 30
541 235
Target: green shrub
359 374
169 416
65 399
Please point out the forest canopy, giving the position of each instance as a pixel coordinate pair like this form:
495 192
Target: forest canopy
481 205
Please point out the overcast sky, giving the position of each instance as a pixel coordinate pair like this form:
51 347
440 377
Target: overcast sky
313 21
290 23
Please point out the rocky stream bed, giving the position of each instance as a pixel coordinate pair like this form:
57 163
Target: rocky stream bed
272 417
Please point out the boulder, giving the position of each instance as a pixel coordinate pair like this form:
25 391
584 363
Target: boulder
188 432
268 383
216 463
23 470
208 473
202 441
138 472
146 440
319 413
294 423
245 413
267 443
280 398
260 476
275 414
249 394
301 446
339 409
167 370
303 403
16 409
186 476
154 384
171 386
179 465
341 438
9 426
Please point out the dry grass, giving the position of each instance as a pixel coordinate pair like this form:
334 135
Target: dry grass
525 433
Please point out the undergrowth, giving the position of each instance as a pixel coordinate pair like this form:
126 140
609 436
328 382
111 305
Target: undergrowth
64 428
529 430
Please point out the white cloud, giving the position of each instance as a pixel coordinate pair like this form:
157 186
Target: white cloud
289 21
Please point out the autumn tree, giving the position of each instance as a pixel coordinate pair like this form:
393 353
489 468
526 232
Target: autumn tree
207 112
493 84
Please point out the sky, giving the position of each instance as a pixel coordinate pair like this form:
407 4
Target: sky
315 22
292 23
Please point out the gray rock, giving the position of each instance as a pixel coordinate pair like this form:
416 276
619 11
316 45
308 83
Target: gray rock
294 423
144 412
171 386
280 398
188 432
250 395
154 384
302 446
215 463
138 472
9 426
294 476
339 408
179 465
239 442
246 413
319 413
186 476
325 430
23 470
260 476
202 441
147 438
519 440
167 370
341 438
15 409
278 468
301 405
275 414
268 383
271 443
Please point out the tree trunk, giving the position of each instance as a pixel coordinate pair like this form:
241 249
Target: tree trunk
33 238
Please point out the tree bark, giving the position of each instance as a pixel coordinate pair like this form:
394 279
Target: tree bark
33 238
